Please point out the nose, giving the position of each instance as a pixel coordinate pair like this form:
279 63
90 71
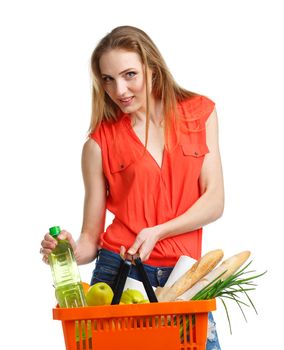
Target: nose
121 87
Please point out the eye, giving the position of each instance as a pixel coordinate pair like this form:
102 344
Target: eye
131 74
107 79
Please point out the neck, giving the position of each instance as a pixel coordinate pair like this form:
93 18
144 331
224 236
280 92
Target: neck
156 114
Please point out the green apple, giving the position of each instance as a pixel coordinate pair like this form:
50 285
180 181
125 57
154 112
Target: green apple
144 301
99 294
132 296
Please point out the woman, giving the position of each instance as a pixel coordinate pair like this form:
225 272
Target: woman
152 159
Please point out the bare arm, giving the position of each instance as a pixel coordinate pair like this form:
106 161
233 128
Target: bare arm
206 209
210 205
94 203
94 209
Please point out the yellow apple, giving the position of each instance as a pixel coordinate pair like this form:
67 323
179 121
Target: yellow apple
144 301
99 294
132 296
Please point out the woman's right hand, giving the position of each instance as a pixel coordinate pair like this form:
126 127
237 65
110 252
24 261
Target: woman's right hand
49 243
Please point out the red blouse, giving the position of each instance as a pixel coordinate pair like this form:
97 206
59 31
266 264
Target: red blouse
143 194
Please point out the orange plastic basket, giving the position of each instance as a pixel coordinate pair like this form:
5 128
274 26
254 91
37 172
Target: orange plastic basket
152 326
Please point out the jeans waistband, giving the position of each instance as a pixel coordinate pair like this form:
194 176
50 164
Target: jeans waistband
157 275
117 257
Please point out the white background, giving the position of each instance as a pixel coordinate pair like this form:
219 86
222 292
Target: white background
227 50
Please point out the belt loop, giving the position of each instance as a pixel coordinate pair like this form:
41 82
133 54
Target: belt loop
98 253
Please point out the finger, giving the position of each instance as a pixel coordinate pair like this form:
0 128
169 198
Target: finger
45 251
67 235
47 246
136 245
143 254
146 257
122 251
48 237
45 259
48 241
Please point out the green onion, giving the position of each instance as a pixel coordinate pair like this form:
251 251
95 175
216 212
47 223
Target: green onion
231 288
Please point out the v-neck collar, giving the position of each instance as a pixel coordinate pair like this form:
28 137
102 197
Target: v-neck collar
127 122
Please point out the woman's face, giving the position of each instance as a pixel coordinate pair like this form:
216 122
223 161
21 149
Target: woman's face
123 79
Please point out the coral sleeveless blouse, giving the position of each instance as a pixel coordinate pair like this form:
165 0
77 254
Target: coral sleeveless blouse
142 194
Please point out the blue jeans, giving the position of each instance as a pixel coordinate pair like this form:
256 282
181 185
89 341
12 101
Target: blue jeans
106 270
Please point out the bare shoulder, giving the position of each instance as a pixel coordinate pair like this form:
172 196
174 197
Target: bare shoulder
91 147
212 117
91 156
212 132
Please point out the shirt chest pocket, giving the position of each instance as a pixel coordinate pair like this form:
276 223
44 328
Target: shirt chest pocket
196 150
119 162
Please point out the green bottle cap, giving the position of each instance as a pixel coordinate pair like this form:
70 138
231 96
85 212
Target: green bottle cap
54 231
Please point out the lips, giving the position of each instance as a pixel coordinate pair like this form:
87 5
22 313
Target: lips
126 101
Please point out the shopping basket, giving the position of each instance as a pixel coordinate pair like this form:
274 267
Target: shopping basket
179 325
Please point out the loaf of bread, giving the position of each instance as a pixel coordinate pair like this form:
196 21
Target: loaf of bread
225 270
233 263
201 268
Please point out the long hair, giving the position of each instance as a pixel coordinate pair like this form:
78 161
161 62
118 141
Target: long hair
164 86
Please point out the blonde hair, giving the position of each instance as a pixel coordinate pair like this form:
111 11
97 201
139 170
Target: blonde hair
164 86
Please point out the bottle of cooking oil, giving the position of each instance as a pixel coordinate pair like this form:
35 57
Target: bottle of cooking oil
66 277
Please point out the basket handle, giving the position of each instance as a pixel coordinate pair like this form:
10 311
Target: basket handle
147 285
122 275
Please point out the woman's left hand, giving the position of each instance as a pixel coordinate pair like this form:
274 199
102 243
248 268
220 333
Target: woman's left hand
144 242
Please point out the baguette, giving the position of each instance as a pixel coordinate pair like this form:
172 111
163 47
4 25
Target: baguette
226 269
233 263
159 290
201 268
